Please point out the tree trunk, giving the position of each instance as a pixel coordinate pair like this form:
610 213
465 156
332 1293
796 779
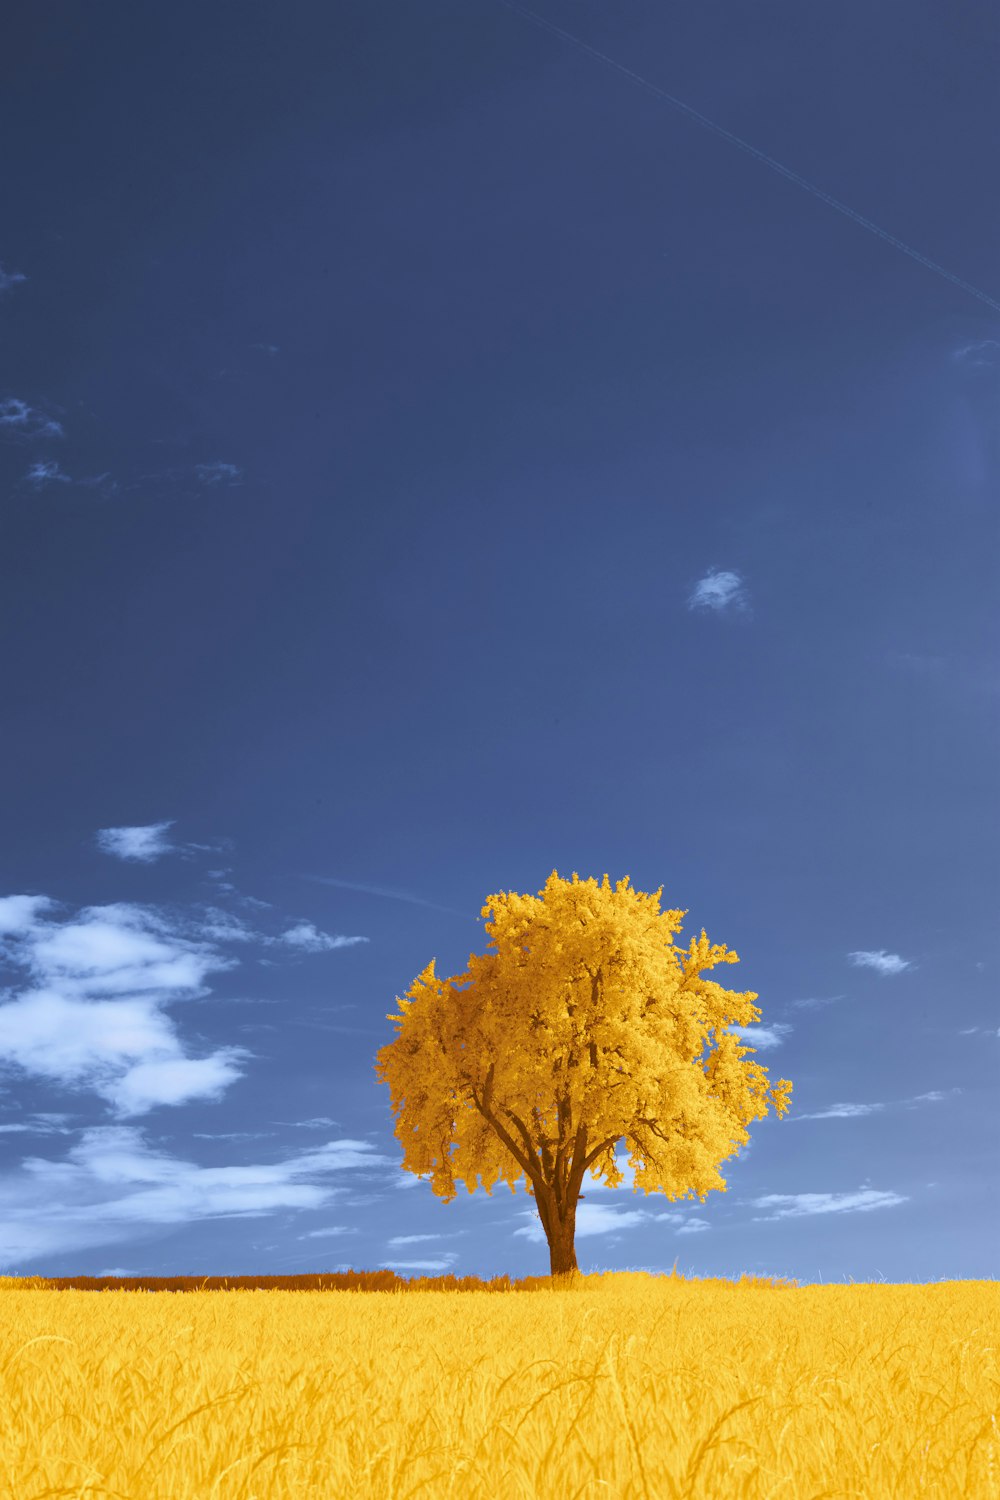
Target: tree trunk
562 1252
560 1231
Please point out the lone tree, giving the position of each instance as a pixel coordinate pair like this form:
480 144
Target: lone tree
585 1025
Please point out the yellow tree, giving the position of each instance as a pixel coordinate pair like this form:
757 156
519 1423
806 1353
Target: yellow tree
585 1025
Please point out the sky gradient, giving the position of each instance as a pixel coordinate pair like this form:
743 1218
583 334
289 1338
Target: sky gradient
430 459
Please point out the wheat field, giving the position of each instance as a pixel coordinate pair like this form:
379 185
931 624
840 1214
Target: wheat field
627 1386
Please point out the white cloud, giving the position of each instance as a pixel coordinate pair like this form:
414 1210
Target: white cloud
799 1205
881 962
9 279
308 939
174 1080
52 1037
112 1187
119 949
89 1011
218 473
763 1037
719 590
47 472
90 1016
19 420
20 913
142 844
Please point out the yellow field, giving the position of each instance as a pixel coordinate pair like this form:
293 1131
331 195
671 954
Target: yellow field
630 1386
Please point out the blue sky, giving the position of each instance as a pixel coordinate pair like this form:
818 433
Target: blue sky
429 460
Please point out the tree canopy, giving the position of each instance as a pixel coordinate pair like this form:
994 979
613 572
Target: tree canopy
585 1025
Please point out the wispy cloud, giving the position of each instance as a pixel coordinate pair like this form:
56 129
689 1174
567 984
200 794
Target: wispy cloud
946 673
40 1123
324 1234
424 1267
979 352
144 843
222 926
141 844
215 475
218 925
607 1215
147 843
9 280
801 1205
218 473
318 1122
412 1239
591 1219
112 1187
719 590
266 348
308 939
226 887
881 962
46 472
104 482
815 1002
232 1135
856 1111
841 1112
24 422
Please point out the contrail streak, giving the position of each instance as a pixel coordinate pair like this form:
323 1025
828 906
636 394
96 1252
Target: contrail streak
769 161
378 890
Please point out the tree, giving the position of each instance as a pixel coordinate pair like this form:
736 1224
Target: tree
585 1025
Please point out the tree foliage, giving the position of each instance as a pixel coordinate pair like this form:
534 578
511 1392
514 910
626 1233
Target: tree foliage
585 1025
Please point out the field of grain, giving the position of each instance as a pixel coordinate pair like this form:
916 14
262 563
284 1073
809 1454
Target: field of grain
628 1386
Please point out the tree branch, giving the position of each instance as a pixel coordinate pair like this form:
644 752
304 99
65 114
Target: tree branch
529 1163
597 1151
576 1169
536 1167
